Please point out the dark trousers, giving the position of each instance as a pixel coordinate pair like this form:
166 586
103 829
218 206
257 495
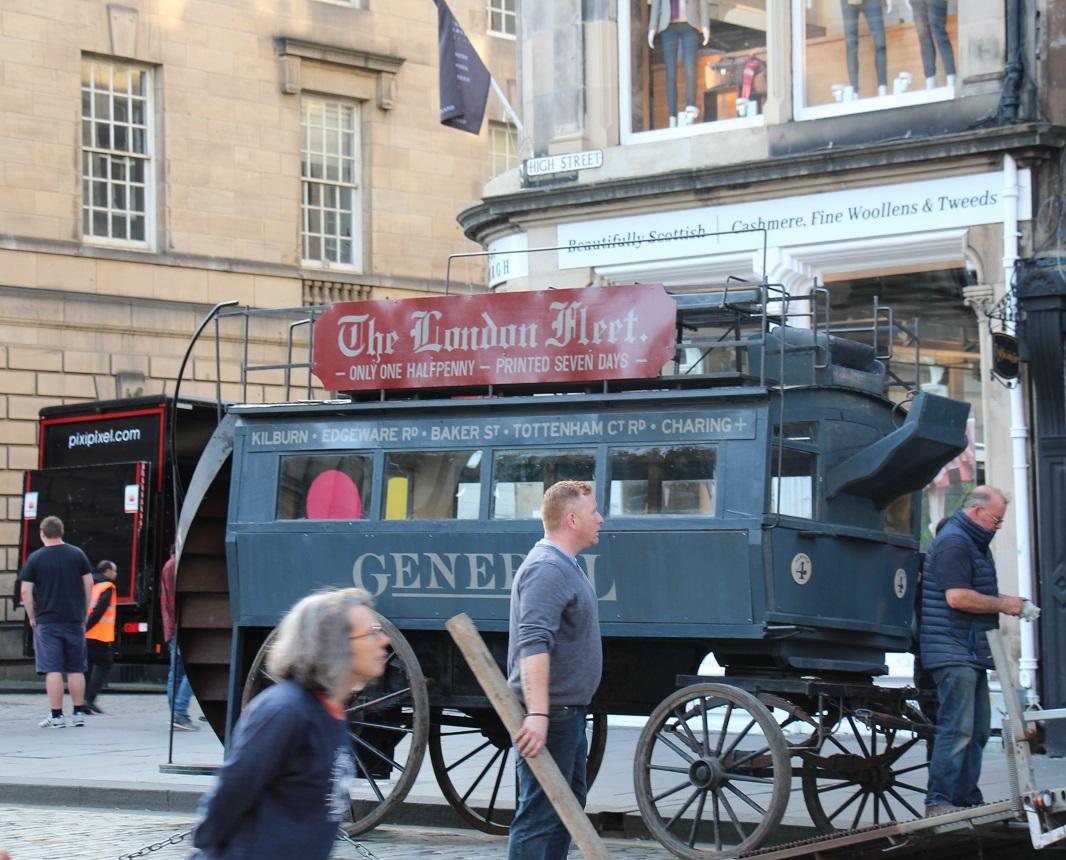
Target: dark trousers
689 39
931 24
875 20
101 659
536 832
963 724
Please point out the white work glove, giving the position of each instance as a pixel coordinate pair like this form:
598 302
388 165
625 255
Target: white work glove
1030 611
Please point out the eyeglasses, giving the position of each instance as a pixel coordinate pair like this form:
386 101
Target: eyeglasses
995 520
375 630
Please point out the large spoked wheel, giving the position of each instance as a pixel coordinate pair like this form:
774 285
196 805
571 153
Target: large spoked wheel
474 764
388 723
868 763
712 772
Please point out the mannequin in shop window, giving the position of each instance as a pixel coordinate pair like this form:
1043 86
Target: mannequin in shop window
680 22
931 25
850 11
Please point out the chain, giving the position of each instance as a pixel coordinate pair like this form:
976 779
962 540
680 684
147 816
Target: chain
359 846
157 846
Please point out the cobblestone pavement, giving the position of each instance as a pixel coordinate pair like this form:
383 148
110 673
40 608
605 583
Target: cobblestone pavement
51 833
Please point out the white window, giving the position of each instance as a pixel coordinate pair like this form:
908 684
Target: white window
702 68
503 19
868 55
503 147
329 167
116 145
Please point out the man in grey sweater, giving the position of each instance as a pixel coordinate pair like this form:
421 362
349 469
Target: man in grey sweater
554 661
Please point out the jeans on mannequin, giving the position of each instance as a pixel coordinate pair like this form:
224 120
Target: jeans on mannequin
875 20
931 24
689 37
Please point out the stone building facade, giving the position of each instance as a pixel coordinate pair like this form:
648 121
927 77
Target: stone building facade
156 159
875 149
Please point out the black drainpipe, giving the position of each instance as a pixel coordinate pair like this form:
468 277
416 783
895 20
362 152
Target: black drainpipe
1014 74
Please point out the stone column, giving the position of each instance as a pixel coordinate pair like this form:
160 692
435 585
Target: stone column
552 75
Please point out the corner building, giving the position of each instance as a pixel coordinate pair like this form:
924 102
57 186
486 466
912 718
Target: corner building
159 157
876 149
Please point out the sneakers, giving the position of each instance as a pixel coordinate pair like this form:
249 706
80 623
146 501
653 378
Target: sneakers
941 809
77 719
184 724
53 723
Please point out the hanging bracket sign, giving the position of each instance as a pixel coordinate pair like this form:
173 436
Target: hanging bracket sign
1005 359
591 334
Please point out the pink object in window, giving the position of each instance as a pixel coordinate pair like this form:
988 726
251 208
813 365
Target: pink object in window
333 496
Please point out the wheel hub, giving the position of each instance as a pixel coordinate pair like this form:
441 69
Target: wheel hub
706 772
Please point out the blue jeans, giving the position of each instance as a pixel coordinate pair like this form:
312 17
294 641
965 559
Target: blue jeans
180 706
875 20
689 37
962 729
536 832
931 25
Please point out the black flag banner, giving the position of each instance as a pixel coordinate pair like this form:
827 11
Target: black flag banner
464 80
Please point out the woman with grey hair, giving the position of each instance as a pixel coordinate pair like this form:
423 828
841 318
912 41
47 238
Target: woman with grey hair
284 785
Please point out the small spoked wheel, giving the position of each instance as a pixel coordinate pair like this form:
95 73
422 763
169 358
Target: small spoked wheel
870 763
388 723
712 772
474 763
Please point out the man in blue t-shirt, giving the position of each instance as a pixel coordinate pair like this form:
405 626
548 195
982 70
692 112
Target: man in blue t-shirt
57 582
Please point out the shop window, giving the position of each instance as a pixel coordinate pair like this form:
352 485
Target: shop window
692 64
672 480
503 18
792 480
858 55
433 485
521 477
329 167
116 152
325 487
503 147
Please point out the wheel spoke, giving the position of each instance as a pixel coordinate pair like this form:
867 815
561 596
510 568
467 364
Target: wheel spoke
684 806
858 814
846 803
858 737
743 777
912 767
910 787
902 800
481 775
496 787
745 798
696 819
363 724
696 745
885 804
668 742
468 756
717 828
375 751
732 815
670 791
739 737
725 728
668 768
373 782
373 703
706 730
835 786
748 757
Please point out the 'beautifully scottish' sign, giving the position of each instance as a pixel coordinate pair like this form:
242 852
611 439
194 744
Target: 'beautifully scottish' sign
591 334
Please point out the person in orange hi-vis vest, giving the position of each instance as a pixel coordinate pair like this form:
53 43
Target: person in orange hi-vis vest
100 632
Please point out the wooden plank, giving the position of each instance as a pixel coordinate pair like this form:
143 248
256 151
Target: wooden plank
510 712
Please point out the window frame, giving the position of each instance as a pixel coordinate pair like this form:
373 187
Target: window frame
593 450
509 133
369 509
625 92
801 112
497 7
714 446
389 453
87 150
356 265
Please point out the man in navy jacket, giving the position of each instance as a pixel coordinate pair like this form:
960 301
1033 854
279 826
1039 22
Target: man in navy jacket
960 604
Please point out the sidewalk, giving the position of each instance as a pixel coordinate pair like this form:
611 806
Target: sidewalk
114 762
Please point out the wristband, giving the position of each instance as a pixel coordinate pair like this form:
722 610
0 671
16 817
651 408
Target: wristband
533 714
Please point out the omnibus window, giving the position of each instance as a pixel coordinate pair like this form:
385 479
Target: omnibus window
325 487
792 483
673 480
435 485
521 477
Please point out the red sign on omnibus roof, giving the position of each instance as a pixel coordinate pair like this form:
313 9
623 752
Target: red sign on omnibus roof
591 334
